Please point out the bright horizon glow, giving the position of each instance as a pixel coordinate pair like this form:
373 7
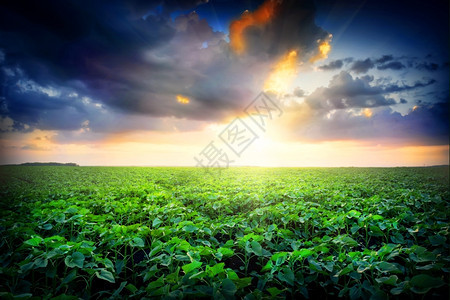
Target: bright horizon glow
174 149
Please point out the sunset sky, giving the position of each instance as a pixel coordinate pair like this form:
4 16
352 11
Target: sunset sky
153 83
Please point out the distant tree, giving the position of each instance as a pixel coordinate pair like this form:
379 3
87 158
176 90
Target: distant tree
49 164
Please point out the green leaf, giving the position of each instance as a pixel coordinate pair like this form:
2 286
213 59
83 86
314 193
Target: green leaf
375 231
355 292
71 276
192 266
216 269
156 222
47 226
34 241
256 248
108 263
60 218
353 213
272 227
41 262
422 283
164 290
431 266
280 260
355 275
137 242
26 267
71 210
132 288
242 282
354 229
190 228
315 266
105 275
400 288
388 267
155 250
274 291
156 284
397 238
267 267
200 274
391 280
119 265
379 295
345 240
346 270
421 254
377 217
287 276
75 260
228 287
225 251
117 292
302 253
437 240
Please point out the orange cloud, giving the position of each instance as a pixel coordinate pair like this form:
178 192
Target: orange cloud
260 16
324 48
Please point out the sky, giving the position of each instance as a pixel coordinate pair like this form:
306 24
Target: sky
225 83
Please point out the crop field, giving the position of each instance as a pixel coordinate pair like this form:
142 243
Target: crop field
250 233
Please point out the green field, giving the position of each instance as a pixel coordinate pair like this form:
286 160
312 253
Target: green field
250 233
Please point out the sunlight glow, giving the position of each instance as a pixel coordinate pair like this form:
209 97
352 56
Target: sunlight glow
367 112
182 99
283 74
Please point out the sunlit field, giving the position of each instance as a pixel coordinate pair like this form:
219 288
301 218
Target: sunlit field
243 233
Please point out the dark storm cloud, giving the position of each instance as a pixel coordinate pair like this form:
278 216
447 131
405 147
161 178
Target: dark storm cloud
292 27
131 65
345 91
403 101
139 8
427 66
333 65
395 88
393 65
384 59
362 66
385 62
134 61
427 124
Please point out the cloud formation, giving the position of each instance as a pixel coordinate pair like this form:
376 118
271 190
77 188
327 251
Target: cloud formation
104 67
345 91
427 124
393 65
385 62
333 65
131 58
362 66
